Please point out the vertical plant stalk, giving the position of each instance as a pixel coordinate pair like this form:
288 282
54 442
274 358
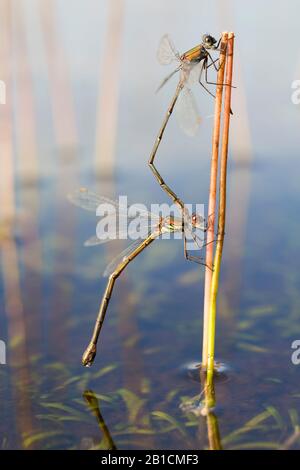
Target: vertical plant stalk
213 432
221 212
93 404
212 199
209 404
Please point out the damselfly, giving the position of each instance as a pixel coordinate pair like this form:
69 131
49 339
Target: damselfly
151 226
191 66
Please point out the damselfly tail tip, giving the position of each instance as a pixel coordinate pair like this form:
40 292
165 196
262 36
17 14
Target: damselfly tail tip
89 355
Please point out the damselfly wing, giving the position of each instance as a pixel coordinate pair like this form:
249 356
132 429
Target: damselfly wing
186 108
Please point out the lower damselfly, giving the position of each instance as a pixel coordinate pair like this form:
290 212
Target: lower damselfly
151 226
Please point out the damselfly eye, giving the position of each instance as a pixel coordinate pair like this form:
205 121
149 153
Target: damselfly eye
209 40
197 221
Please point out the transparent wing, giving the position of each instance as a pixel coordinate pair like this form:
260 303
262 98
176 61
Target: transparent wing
118 259
194 74
93 241
135 210
166 52
167 78
193 237
187 112
138 228
88 200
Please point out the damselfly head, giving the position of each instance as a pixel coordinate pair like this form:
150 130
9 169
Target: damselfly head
208 41
198 221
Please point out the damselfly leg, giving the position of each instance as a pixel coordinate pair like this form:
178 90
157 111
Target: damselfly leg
154 170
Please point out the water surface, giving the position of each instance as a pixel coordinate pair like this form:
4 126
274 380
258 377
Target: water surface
136 395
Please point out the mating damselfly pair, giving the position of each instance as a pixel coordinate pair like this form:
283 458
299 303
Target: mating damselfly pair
191 66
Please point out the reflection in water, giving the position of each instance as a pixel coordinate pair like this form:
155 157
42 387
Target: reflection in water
210 403
203 406
18 350
213 432
93 404
293 439
133 366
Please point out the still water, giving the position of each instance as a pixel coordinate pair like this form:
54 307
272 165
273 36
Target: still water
139 392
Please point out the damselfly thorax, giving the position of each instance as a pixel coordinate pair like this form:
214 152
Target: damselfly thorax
171 224
196 54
